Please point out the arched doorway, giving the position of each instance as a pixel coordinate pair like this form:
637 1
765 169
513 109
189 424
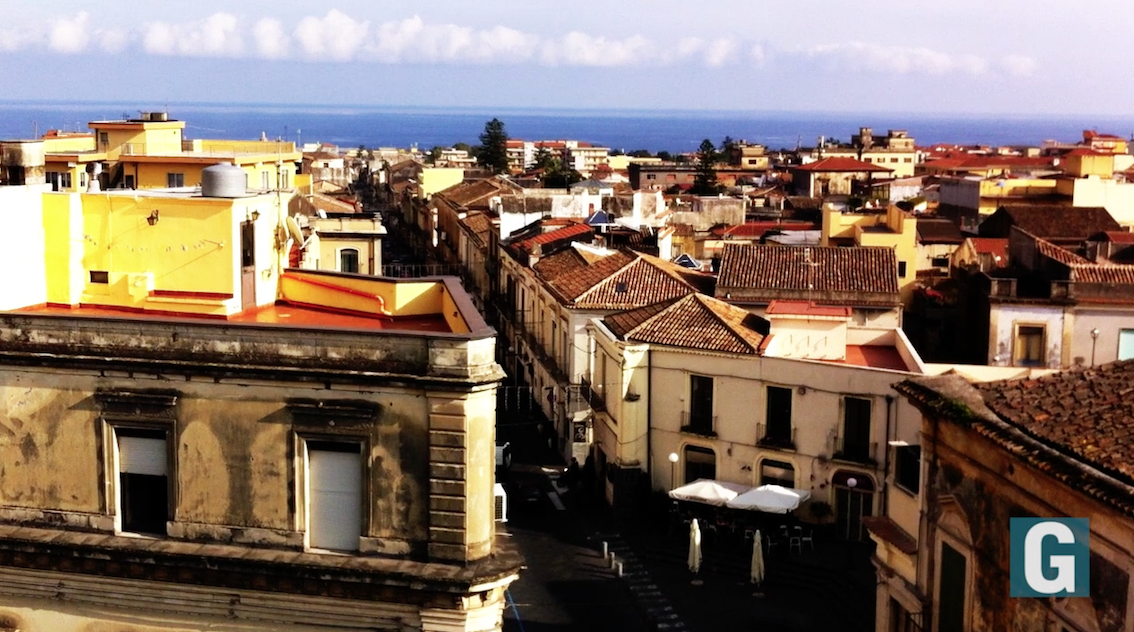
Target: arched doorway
854 500
699 463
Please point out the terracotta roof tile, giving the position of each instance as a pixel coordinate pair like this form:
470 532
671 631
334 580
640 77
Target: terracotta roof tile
479 227
620 280
565 233
1052 221
694 321
822 270
1088 413
938 231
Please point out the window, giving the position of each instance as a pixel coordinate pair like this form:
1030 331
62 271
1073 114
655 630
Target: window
265 180
907 467
103 139
855 443
700 415
1125 344
699 463
777 432
901 268
939 262
143 479
651 176
128 182
173 180
348 260
779 473
334 495
1029 347
100 276
907 159
893 160
285 181
951 599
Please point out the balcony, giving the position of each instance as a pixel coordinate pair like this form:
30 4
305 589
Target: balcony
856 451
596 399
698 424
777 438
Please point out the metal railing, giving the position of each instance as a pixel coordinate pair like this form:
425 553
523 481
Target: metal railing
857 451
699 423
776 438
417 270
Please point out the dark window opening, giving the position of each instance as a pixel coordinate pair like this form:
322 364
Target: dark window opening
907 468
777 432
348 260
100 276
143 480
855 442
174 180
247 245
700 405
699 463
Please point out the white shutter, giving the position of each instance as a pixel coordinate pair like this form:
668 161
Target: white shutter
1126 344
335 500
139 455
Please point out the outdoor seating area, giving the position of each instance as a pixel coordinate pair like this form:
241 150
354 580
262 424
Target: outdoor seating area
731 514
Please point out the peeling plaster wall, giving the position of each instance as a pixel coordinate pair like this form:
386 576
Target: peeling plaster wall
235 458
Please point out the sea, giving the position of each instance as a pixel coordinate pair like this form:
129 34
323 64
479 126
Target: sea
624 130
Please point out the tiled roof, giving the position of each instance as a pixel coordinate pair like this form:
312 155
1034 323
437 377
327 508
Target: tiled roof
1060 222
804 308
479 228
1084 270
478 192
855 269
565 233
1117 236
1089 413
938 231
1075 426
991 245
619 280
694 321
840 163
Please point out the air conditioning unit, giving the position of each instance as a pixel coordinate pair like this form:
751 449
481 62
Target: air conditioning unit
501 513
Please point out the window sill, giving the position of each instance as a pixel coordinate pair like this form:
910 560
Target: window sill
698 431
777 444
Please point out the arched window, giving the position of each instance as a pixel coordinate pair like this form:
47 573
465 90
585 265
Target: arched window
348 260
854 500
699 463
779 473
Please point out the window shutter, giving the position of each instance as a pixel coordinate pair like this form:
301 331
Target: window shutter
141 455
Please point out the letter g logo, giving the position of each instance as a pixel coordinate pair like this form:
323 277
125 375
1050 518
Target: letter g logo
1050 556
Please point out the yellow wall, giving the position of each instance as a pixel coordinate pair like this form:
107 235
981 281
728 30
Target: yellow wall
902 236
64 242
69 144
434 179
139 138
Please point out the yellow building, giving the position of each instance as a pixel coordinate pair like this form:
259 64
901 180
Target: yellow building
201 438
893 228
150 152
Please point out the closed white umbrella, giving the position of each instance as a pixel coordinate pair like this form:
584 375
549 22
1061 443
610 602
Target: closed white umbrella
757 559
694 547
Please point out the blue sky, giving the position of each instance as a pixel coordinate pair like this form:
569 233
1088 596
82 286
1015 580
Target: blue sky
962 56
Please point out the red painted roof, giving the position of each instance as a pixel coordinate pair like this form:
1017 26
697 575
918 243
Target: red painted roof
803 308
840 163
567 232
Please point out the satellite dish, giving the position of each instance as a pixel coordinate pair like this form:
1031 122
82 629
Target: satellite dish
293 229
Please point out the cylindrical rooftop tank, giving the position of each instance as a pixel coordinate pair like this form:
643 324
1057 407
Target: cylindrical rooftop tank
224 181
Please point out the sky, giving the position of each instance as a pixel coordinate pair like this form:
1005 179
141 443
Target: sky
957 57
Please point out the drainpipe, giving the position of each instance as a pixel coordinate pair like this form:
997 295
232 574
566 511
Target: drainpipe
929 520
890 406
650 416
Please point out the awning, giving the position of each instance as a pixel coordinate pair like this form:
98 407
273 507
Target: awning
770 499
709 491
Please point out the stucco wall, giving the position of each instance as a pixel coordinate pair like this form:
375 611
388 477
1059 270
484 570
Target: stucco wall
1003 323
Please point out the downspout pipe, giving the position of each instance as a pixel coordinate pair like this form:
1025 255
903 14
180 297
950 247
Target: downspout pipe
890 408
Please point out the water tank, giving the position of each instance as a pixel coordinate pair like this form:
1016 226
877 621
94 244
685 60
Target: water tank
224 181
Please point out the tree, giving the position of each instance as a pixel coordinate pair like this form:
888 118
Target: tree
664 155
706 181
641 153
493 152
543 159
435 154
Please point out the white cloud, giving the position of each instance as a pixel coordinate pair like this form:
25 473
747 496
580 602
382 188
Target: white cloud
271 40
873 57
720 52
1018 65
580 49
215 36
757 55
333 37
12 40
713 53
69 35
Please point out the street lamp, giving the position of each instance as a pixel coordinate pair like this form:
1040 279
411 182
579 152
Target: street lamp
1094 339
672 468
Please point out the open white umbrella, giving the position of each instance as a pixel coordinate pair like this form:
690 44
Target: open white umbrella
694 547
709 491
757 559
770 499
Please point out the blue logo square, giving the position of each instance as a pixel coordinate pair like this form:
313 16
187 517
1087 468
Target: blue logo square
1050 557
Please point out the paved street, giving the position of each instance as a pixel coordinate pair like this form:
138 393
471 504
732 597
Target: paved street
568 586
